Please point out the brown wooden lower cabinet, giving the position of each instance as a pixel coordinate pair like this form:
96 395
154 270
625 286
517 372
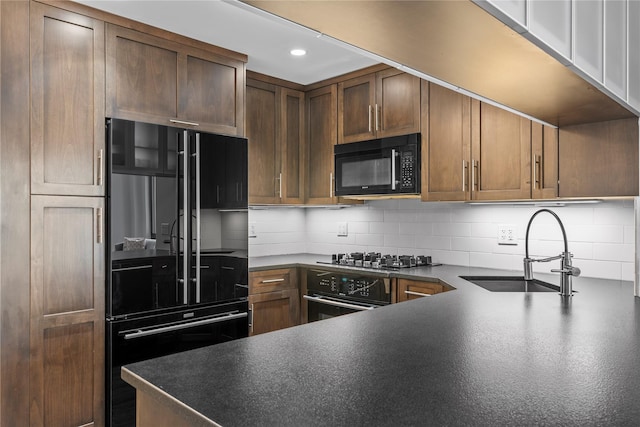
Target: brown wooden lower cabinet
412 289
274 300
67 311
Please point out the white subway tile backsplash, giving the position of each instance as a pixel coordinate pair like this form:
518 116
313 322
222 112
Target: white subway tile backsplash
601 236
611 252
434 242
451 229
451 257
372 240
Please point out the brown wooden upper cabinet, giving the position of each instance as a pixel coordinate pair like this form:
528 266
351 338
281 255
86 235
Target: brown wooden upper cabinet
321 109
67 103
544 161
378 105
500 153
275 130
599 159
475 151
156 80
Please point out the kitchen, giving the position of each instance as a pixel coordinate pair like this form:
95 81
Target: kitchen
447 238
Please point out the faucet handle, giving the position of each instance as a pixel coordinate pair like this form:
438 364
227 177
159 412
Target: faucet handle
571 271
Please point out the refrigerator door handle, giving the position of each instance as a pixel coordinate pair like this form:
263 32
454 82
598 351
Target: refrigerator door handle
186 217
197 156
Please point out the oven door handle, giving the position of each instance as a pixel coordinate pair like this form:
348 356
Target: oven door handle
322 300
163 329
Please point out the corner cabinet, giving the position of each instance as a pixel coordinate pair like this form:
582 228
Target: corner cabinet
275 130
67 103
274 300
156 80
378 105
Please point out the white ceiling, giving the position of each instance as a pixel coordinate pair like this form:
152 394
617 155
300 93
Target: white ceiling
264 38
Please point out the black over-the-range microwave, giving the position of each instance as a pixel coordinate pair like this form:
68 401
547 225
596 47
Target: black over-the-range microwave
378 167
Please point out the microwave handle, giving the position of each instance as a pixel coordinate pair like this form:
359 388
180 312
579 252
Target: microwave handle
393 169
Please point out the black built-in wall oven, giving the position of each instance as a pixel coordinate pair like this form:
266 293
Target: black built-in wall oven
331 293
164 295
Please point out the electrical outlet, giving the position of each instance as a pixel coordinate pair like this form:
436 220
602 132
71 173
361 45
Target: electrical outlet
252 229
507 234
343 229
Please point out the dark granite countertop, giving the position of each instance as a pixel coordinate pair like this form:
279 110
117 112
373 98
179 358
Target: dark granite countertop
464 357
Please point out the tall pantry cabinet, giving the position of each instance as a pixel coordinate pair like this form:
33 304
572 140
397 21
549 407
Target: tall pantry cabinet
67 275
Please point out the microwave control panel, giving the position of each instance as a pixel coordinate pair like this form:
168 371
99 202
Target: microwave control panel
407 162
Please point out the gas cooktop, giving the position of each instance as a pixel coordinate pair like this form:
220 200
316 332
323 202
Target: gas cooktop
376 260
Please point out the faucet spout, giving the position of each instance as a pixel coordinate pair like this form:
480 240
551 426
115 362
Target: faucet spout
566 271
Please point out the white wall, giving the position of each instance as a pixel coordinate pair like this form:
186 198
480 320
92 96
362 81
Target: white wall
601 236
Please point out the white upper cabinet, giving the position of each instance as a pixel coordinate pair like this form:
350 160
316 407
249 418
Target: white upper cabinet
514 9
634 55
588 35
615 47
550 21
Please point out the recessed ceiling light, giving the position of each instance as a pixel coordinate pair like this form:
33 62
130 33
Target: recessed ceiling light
298 52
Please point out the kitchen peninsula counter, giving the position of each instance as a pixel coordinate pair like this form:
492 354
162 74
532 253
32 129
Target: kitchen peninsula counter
464 357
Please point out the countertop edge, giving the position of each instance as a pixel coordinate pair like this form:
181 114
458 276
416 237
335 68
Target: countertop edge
195 418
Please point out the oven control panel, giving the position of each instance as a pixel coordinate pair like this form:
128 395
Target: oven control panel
350 286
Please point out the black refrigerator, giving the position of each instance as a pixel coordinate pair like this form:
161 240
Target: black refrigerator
173 284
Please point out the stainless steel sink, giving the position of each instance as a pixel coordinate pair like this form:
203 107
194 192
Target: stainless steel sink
511 284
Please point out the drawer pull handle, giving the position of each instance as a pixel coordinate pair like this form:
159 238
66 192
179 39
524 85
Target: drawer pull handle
418 294
272 281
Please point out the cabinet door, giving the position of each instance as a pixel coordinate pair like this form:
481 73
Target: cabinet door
142 76
589 168
211 91
274 310
615 47
550 21
397 107
446 140
67 103
633 66
588 37
321 137
292 144
67 311
544 162
500 154
356 104
264 153
412 289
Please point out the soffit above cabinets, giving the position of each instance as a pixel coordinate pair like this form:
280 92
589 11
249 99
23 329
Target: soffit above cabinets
461 44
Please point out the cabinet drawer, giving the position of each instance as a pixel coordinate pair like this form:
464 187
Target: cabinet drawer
272 280
411 289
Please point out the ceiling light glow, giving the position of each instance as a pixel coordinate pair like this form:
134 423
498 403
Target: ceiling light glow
298 52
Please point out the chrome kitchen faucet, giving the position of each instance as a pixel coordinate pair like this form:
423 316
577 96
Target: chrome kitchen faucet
566 269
